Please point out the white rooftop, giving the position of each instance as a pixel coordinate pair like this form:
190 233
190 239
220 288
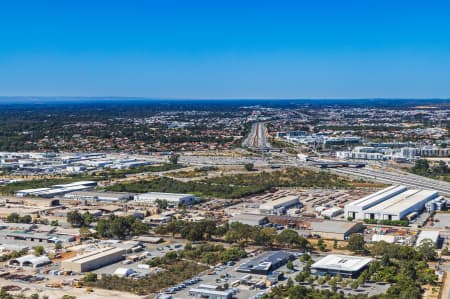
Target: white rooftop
342 262
403 200
372 199
279 202
164 194
432 235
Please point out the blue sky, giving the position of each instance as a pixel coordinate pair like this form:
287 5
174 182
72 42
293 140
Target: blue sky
225 49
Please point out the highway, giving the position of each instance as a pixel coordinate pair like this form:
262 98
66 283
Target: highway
257 137
397 177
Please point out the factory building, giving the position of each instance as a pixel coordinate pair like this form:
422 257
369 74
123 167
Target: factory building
345 265
266 262
335 230
172 199
93 260
392 203
280 205
249 219
99 196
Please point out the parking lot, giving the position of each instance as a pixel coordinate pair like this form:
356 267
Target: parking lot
220 276
228 275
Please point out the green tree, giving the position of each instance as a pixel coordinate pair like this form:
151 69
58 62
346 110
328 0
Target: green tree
173 159
321 245
90 277
26 219
265 236
290 265
290 238
39 250
249 166
88 218
161 204
13 217
427 249
356 243
75 219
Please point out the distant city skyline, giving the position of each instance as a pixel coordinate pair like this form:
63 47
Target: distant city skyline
225 49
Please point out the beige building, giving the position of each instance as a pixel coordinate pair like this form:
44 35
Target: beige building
335 230
93 260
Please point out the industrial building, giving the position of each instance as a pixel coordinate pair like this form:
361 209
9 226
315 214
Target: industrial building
55 190
335 230
432 235
280 205
124 272
266 262
30 261
392 203
345 265
211 294
172 199
93 260
99 196
249 219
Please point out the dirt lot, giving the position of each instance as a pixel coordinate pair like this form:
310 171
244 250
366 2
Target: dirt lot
81 293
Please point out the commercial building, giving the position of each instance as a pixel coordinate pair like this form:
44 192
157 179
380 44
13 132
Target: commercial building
99 196
93 260
173 199
345 265
335 230
266 262
249 219
280 205
392 203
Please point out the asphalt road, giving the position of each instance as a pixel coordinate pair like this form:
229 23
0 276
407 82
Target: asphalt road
397 177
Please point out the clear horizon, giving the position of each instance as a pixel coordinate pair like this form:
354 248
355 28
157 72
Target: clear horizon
225 49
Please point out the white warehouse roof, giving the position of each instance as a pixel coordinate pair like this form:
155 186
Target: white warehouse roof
392 203
170 197
432 235
377 197
280 202
403 201
124 272
342 262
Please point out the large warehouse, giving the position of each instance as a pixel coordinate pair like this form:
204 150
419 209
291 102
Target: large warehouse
99 196
280 205
335 230
250 219
93 260
392 203
173 199
345 265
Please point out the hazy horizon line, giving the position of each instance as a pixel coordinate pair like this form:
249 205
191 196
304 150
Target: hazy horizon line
218 98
